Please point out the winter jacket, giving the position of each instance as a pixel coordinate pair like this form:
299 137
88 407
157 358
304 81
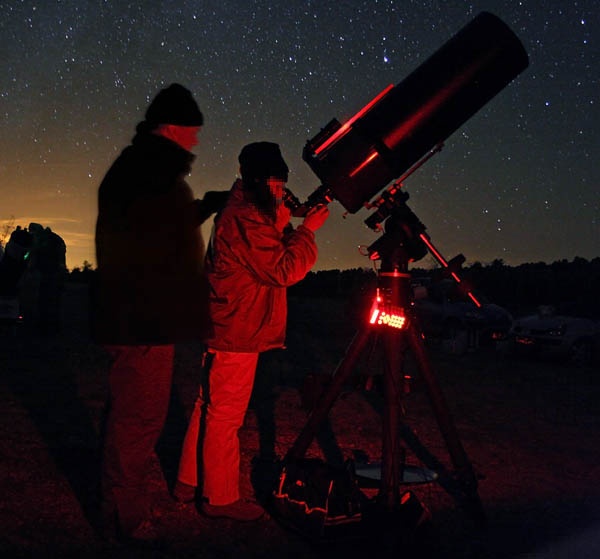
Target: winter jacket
249 265
150 286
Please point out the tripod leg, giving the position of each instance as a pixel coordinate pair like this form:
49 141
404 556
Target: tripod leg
464 469
392 466
327 399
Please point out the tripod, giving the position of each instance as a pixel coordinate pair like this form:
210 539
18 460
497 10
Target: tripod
404 241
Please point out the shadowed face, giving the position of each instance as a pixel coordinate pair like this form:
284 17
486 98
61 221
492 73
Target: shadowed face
184 136
276 186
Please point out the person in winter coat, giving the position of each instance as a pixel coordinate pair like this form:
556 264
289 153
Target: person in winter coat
255 254
151 292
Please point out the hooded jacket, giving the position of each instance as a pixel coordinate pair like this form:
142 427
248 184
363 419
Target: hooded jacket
249 265
151 287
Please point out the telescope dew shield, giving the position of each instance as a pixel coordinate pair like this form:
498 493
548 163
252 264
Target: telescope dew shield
397 128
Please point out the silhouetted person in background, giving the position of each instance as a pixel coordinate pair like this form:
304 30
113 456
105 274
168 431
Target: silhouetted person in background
254 256
151 292
14 261
45 277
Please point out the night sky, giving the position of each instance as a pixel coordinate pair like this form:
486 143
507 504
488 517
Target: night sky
518 181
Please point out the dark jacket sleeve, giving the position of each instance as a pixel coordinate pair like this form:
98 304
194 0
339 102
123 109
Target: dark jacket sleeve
212 203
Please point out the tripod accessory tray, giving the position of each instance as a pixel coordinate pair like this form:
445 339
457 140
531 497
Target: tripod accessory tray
320 500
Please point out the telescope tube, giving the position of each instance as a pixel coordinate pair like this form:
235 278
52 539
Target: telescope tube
399 126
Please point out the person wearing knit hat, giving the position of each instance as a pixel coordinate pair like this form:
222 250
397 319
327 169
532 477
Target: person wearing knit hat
174 105
254 256
260 160
174 115
151 292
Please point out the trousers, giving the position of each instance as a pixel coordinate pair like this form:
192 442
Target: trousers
140 380
218 415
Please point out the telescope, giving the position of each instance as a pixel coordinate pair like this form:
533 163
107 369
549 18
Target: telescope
391 133
386 141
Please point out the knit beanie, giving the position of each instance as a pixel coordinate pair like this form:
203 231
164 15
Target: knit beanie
261 160
174 105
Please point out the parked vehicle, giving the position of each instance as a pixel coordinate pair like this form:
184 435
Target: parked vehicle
548 333
448 315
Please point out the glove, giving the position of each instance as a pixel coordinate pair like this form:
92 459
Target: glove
213 202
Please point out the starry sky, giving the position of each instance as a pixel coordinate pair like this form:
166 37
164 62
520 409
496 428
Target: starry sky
518 181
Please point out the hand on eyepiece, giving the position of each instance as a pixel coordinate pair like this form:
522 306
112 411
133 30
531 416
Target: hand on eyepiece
316 217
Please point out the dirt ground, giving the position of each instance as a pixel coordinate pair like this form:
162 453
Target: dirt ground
529 428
